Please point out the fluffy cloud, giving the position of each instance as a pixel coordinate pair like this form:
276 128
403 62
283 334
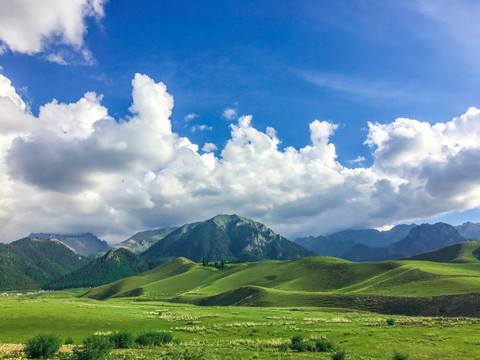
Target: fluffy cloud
190 117
208 147
30 26
230 114
358 160
74 168
201 128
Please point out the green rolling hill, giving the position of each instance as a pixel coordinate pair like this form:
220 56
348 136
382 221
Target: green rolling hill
464 252
405 287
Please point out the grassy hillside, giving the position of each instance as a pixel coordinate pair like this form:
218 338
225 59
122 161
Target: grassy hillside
11 275
464 252
112 266
31 263
324 281
152 282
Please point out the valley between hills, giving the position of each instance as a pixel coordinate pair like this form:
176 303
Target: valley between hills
230 285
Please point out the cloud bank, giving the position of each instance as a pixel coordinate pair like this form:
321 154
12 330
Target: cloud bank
31 27
75 168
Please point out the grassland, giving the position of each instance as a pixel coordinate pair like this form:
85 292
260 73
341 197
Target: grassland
251 310
391 287
236 332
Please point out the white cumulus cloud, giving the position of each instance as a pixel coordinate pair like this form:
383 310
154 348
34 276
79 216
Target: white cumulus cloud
358 160
30 26
74 168
190 117
209 147
202 127
230 114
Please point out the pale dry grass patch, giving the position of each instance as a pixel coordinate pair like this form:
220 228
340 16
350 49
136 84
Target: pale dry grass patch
194 329
257 343
15 351
335 320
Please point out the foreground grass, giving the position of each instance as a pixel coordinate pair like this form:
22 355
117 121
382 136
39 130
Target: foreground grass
236 332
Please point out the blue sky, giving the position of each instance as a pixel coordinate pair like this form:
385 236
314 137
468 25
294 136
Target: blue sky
288 64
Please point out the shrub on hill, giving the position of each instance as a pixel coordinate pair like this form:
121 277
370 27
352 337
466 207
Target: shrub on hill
339 355
95 347
187 354
390 321
42 346
400 356
122 340
324 346
298 344
154 338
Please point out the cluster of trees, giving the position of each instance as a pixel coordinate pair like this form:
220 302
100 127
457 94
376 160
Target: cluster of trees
216 264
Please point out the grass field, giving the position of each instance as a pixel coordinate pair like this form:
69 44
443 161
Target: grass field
252 310
236 332
391 287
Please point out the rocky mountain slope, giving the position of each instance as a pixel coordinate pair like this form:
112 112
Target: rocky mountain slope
226 237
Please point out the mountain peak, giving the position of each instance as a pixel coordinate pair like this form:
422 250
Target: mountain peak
109 255
141 241
226 237
223 219
85 244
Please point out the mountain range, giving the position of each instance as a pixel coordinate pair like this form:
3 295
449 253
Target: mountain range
400 241
224 237
55 261
85 244
141 241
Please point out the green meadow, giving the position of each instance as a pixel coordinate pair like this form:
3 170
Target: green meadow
237 332
252 310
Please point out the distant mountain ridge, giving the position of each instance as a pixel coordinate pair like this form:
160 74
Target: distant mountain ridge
469 230
226 237
419 239
143 240
339 243
85 244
